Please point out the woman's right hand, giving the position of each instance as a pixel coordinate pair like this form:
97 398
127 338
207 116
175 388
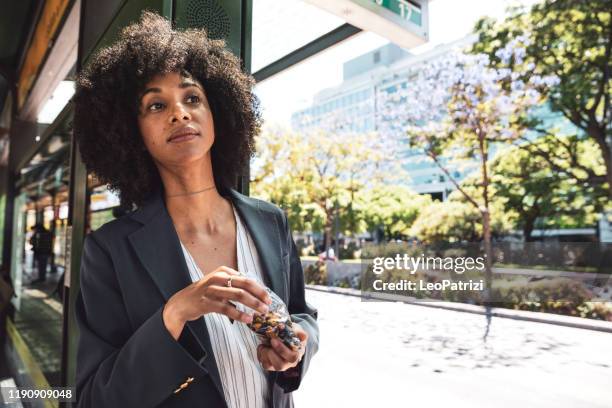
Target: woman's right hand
211 294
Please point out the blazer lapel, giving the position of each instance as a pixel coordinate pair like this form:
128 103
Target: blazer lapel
158 247
265 231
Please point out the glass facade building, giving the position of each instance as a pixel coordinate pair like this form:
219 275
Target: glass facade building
365 78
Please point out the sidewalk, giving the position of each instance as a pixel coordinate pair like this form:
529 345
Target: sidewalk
39 323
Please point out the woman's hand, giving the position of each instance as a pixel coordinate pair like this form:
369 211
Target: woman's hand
211 294
277 356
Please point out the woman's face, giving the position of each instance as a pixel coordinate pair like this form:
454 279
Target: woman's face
175 120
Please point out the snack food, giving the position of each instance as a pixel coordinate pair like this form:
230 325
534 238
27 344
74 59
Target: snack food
275 323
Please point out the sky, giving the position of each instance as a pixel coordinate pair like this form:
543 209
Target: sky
299 23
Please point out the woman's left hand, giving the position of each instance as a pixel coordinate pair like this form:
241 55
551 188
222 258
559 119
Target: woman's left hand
277 356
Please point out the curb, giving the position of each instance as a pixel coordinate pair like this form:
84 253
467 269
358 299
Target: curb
538 317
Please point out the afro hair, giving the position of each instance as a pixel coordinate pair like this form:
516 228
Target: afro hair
107 105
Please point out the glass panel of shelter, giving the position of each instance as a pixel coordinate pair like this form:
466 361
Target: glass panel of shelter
43 185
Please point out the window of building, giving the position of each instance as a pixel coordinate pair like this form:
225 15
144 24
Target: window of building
376 57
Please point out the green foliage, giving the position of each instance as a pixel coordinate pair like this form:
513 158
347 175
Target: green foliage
450 221
537 196
316 274
573 41
560 296
395 208
318 177
570 39
350 251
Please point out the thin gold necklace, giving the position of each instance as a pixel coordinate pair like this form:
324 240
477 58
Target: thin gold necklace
191 192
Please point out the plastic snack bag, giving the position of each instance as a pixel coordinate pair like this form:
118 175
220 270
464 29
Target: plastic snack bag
276 323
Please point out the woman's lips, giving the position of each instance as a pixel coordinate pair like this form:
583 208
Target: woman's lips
182 138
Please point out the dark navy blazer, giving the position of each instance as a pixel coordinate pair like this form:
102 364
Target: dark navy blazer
130 267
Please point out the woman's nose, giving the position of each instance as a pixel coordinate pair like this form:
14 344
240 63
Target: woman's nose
179 113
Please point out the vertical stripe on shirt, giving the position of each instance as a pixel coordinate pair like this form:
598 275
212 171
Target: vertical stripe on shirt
244 380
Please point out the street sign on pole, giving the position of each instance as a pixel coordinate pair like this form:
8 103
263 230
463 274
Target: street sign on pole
403 22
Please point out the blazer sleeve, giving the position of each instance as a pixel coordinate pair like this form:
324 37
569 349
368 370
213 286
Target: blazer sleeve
118 365
301 312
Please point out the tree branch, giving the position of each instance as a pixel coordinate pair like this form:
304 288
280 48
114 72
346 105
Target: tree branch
452 179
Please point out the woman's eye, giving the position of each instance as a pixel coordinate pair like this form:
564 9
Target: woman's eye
193 98
155 106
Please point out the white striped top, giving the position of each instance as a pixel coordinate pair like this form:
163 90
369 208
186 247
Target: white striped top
245 382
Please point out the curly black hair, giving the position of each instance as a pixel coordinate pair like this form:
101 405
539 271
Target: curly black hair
107 104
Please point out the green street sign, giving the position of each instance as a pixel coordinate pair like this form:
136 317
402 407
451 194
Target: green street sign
403 22
407 10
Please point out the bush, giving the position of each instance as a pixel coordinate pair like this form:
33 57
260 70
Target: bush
348 251
303 248
316 274
560 296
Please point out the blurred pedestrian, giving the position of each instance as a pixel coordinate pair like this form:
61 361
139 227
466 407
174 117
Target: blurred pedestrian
42 245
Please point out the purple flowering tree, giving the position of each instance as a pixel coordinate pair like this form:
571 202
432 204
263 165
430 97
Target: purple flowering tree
457 109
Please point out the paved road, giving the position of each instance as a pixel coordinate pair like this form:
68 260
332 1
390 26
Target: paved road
398 355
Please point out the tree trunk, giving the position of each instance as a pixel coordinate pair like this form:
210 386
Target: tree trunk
328 233
528 229
486 226
607 156
486 217
599 135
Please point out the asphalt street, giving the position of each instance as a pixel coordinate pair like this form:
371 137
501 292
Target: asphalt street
402 355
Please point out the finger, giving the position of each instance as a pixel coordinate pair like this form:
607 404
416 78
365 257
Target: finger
234 294
271 361
218 277
251 286
228 270
238 295
285 352
277 361
230 311
301 334
302 351
221 277
262 356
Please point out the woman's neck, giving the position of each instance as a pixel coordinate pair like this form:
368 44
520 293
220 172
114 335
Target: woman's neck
193 201
204 212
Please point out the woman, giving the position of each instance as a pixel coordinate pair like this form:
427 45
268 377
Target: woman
167 119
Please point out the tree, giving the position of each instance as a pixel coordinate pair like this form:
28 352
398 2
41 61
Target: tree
532 190
319 174
448 221
572 40
454 220
392 207
276 176
459 106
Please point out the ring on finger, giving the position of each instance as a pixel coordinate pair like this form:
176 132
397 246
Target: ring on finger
229 281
